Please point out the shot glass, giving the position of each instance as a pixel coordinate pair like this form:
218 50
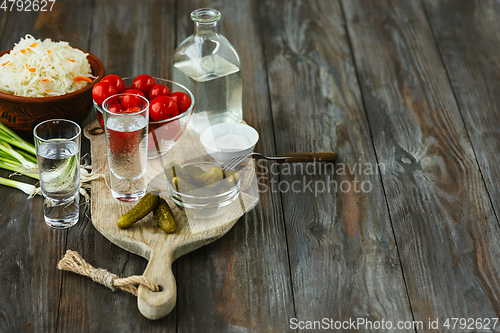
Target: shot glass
57 143
126 118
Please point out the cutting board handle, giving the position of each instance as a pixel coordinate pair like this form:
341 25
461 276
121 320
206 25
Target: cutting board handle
156 305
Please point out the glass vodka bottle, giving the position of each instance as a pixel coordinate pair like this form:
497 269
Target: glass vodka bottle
208 65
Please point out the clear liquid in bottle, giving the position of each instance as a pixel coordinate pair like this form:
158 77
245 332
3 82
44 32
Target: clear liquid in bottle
216 83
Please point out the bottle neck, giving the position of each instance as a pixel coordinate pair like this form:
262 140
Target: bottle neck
202 28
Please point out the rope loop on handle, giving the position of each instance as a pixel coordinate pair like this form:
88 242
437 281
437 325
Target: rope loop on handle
73 262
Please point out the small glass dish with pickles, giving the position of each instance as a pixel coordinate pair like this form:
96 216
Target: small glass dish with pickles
202 185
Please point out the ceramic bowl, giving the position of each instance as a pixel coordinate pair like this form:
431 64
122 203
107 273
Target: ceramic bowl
221 154
22 114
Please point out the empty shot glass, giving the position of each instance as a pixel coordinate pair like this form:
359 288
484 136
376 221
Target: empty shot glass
127 143
57 143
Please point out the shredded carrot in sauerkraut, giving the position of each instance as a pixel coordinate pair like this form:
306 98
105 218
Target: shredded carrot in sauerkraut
82 78
32 70
42 72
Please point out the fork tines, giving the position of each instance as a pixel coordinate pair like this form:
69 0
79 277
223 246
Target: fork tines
233 162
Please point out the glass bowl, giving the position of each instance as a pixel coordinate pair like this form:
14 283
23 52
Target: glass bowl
210 198
162 135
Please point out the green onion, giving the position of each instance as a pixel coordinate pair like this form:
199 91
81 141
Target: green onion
21 159
7 135
6 148
27 156
12 166
26 188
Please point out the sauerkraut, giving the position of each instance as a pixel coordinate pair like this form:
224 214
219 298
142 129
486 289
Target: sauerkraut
36 68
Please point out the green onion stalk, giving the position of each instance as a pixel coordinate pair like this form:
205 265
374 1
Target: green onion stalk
18 156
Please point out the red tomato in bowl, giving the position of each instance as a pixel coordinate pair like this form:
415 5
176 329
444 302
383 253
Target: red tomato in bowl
132 109
144 83
158 90
162 108
116 108
115 81
135 92
183 101
132 100
103 90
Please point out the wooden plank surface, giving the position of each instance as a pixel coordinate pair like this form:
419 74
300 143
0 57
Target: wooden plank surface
409 84
343 257
29 251
130 38
241 283
447 233
468 37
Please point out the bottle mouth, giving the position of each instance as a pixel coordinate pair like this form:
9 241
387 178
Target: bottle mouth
205 15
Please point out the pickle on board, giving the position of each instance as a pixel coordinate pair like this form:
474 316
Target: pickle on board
141 209
163 214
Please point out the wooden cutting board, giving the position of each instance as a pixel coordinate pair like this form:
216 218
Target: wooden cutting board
145 238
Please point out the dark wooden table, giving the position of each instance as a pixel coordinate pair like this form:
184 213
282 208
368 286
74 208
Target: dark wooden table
410 87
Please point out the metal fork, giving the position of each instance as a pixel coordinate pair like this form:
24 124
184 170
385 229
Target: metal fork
282 158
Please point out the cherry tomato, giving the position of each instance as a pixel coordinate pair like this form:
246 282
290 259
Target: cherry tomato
131 100
135 92
103 90
144 83
115 81
116 108
162 108
132 109
158 90
183 101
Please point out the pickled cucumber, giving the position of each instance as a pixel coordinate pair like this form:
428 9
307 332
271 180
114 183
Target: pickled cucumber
182 186
194 181
193 171
164 216
141 209
211 176
232 176
173 170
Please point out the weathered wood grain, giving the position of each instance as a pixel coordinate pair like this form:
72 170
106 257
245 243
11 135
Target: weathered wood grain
343 257
68 21
241 283
30 250
468 37
447 234
130 38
